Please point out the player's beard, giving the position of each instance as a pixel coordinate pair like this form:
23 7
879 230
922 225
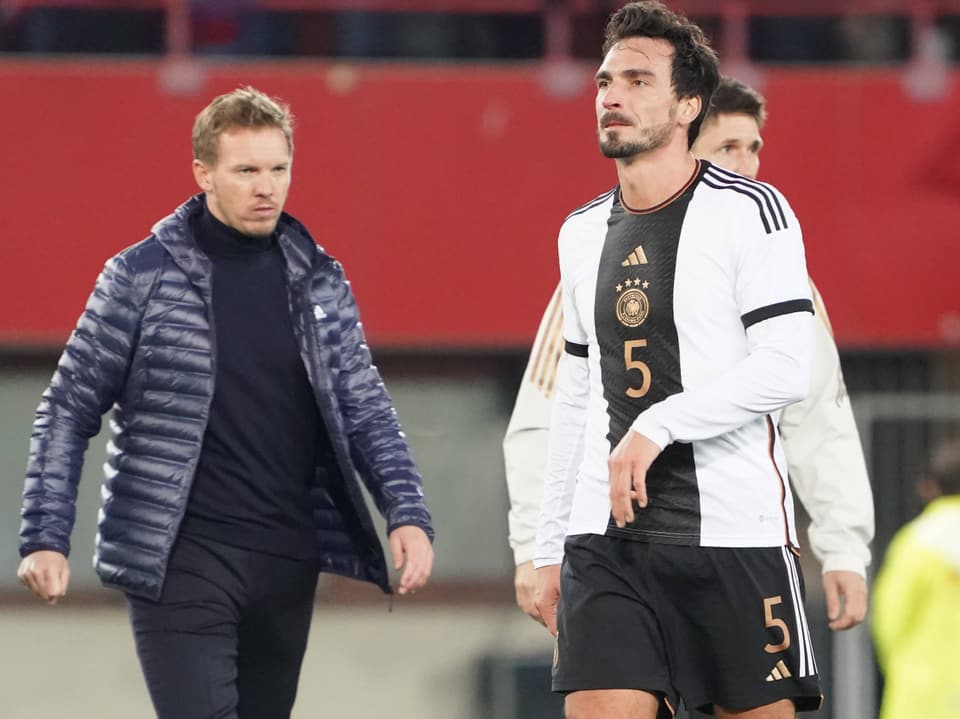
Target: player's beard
651 138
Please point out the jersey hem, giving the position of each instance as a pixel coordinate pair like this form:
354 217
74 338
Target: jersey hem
690 540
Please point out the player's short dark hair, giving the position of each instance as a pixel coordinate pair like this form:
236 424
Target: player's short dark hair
695 71
733 96
944 467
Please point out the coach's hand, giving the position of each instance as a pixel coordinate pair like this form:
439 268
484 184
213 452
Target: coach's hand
45 573
411 550
548 596
846 599
628 464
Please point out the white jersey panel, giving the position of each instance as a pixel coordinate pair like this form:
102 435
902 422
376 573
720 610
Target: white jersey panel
712 256
580 244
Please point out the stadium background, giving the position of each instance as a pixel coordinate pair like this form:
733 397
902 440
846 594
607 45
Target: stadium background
439 145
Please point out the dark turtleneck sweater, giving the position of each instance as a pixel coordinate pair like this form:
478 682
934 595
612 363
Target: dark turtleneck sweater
251 487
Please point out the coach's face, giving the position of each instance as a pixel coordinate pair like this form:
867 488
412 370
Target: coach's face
637 109
247 186
732 141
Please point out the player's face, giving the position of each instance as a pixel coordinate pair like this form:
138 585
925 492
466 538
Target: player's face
732 141
247 186
636 104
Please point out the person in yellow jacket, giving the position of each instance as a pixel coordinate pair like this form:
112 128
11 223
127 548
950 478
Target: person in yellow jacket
916 603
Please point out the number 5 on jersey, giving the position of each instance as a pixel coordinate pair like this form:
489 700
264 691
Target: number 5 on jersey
634 364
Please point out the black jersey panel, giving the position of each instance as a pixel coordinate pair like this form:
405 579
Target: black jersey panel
640 356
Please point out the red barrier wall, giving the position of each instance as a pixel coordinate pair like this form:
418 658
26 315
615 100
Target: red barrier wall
442 189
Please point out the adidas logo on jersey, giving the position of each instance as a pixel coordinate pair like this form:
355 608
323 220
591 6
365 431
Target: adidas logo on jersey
780 671
637 257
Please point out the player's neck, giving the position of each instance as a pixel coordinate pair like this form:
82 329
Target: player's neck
651 178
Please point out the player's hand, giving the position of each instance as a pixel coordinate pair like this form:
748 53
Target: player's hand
548 596
525 585
411 551
628 465
46 574
846 599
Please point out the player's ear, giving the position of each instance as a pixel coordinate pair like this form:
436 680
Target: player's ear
689 109
201 173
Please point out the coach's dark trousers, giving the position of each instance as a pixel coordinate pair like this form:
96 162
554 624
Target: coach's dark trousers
227 637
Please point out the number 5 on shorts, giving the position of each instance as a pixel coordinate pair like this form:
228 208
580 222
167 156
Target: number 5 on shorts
772 621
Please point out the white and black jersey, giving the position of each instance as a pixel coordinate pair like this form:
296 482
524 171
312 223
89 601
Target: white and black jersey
688 322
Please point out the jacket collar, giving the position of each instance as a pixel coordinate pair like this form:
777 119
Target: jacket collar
175 233
298 247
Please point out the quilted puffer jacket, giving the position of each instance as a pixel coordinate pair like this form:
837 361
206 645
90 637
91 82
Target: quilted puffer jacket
145 347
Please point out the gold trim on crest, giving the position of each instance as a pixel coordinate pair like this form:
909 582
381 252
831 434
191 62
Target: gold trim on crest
633 306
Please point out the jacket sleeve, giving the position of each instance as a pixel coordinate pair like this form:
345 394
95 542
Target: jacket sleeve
525 443
88 380
826 464
378 445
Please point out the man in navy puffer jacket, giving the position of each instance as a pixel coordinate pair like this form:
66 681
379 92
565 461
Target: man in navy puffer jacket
245 404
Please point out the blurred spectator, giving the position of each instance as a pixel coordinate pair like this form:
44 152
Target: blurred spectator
359 34
916 611
244 27
381 35
875 38
829 38
436 35
237 27
215 24
949 26
73 26
794 39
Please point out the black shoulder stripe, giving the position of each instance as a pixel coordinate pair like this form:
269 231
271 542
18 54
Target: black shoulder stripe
599 200
747 193
572 348
763 187
775 310
757 190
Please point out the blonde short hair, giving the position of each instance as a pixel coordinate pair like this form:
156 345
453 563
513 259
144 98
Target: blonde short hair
244 107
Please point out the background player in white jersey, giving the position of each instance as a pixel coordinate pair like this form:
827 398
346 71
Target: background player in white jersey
824 455
687 322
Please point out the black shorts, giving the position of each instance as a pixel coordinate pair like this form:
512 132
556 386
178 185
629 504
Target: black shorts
713 625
